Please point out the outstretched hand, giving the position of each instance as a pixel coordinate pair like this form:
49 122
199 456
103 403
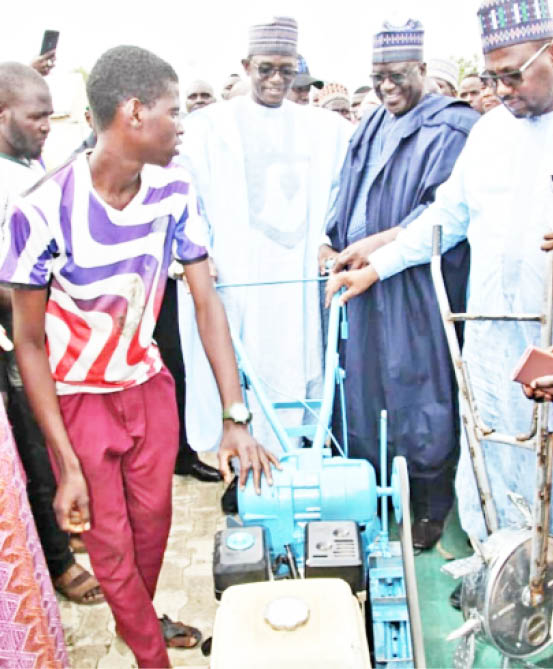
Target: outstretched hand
355 281
238 442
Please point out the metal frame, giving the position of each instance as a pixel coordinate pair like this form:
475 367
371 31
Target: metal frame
538 438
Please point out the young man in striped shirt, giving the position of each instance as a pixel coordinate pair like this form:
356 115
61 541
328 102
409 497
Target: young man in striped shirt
87 253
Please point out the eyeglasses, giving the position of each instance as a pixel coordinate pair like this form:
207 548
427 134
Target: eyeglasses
267 70
397 78
514 78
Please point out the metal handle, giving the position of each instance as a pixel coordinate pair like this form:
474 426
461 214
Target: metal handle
437 240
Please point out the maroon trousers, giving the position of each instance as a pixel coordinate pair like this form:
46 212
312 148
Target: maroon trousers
127 445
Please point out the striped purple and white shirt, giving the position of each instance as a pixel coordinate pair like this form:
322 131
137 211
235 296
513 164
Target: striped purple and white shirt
106 269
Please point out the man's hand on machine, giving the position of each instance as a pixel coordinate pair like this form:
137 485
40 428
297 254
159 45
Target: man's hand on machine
356 255
355 281
327 255
238 442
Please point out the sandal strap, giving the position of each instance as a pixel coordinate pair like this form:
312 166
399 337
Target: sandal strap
80 585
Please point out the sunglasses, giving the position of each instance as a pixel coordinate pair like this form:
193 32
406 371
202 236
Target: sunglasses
515 77
266 70
397 78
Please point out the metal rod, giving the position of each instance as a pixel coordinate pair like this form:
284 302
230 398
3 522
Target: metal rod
467 404
496 317
384 472
508 440
291 559
329 383
341 373
250 284
343 411
544 463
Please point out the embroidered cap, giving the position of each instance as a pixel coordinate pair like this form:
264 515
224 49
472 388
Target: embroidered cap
507 22
279 36
331 92
396 44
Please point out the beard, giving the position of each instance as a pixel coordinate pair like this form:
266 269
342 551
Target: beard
22 145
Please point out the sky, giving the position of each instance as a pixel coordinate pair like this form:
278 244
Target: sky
206 39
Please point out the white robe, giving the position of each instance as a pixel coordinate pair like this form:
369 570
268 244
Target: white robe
499 196
265 177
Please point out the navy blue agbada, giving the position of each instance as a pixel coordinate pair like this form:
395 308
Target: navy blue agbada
396 357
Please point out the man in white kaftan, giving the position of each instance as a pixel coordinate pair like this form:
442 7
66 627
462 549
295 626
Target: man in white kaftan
265 170
499 198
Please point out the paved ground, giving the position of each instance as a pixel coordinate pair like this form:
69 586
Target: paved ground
185 590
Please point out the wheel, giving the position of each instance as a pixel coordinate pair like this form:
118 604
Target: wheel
400 473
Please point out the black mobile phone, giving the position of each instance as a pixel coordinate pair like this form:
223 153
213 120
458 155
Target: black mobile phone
49 41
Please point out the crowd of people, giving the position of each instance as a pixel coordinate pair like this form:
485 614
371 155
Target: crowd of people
442 76
108 265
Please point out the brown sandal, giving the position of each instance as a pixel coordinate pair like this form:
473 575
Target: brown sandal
79 585
179 635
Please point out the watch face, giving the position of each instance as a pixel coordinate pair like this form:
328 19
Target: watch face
239 413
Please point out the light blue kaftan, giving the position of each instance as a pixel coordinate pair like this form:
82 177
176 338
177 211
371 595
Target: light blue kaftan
498 197
265 177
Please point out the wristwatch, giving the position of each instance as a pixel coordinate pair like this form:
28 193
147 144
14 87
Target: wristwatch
238 413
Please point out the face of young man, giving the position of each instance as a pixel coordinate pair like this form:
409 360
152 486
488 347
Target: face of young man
199 95
25 124
532 94
271 78
161 128
470 90
399 86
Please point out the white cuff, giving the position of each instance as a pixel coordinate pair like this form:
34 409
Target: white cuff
387 260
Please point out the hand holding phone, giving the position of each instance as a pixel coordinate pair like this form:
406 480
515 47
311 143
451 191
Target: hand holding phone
534 363
535 371
44 63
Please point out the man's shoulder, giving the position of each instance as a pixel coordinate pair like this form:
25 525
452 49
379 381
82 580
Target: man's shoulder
161 183
440 109
16 177
310 112
212 114
54 186
495 129
326 128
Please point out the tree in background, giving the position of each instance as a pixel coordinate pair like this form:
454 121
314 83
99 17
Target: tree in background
467 65
84 73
